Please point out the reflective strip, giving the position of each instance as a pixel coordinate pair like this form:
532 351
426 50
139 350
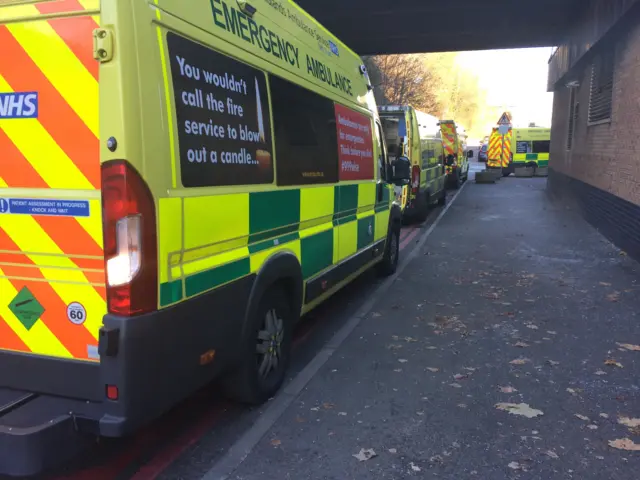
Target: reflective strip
58 63
30 237
56 169
39 338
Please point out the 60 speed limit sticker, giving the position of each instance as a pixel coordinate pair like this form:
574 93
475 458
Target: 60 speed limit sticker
76 313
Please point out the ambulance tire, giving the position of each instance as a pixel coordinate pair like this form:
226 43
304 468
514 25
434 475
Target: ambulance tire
423 207
389 263
246 384
442 201
457 183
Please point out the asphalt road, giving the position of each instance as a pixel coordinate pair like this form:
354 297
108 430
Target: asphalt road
506 349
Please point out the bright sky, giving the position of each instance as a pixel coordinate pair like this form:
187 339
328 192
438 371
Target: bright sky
515 80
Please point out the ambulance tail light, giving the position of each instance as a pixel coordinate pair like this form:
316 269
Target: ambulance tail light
130 241
415 178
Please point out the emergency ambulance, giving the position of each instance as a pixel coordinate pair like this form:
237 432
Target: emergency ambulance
413 134
179 183
454 141
530 147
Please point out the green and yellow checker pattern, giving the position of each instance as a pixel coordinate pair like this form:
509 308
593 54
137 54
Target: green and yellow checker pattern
227 237
542 159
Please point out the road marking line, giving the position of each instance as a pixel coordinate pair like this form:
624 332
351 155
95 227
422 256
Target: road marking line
241 449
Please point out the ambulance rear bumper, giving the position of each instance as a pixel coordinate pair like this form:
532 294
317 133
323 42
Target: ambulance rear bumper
39 432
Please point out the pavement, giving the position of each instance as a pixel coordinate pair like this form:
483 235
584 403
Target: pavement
505 349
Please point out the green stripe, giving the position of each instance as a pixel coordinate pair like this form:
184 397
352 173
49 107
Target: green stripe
203 281
382 207
345 199
273 242
273 213
342 219
170 292
365 234
543 163
532 156
272 234
317 253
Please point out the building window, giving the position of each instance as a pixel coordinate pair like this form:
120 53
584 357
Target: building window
572 117
601 95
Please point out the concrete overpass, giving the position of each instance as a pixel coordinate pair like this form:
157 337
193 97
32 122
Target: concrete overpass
412 26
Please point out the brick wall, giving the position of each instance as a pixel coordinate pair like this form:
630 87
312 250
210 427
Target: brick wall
605 156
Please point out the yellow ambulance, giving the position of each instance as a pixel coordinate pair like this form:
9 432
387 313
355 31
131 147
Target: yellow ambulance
179 183
530 147
454 140
413 134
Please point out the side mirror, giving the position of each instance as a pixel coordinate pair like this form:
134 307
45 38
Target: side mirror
470 154
450 160
401 171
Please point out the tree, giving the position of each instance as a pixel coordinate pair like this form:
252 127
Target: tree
402 80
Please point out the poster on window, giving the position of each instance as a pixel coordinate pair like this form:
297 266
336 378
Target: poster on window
355 144
222 110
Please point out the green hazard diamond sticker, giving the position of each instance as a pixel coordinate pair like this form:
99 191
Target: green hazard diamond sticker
26 308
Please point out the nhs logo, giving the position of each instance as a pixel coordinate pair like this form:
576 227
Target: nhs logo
19 105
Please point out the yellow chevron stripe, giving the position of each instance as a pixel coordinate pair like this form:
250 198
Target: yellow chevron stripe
42 151
58 63
39 339
30 237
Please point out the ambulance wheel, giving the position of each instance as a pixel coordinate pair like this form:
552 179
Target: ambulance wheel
457 183
442 201
423 208
389 263
266 351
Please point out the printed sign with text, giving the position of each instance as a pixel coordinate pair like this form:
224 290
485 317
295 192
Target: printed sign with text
355 145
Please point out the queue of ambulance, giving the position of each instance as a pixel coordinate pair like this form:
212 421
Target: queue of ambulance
198 177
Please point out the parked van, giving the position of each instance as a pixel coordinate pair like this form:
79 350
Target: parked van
454 140
412 134
179 183
530 147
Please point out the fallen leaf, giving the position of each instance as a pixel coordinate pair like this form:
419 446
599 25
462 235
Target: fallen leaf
414 467
432 348
410 339
508 390
403 360
582 417
551 332
342 414
605 284
611 362
459 376
600 372
604 415
275 442
519 409
433 369
629 422
519 361
628 346
516 466
376 314
462 405
521 345
394 346
624 444
592 427
553 363
552 454
314 409
613 297
455 385
572 391
398 370
327 406
470 369
393 450
365 454
532 326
